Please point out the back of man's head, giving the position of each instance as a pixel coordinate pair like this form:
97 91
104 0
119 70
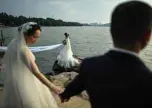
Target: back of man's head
131 22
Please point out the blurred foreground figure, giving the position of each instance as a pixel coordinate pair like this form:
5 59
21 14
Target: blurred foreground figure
119 78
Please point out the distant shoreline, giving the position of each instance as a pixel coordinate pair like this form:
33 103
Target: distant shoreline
13 21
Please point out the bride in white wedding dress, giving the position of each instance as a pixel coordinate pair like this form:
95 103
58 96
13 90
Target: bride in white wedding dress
24 85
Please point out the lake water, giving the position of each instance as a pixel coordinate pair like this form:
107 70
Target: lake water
85 42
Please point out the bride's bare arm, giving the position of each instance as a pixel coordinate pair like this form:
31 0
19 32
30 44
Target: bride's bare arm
40 76
35 70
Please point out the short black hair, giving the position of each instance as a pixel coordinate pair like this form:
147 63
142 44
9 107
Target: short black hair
130 21
66 34
32 30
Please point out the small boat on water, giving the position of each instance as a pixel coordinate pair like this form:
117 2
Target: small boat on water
3 26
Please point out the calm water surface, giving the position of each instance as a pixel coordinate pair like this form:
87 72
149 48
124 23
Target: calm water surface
85 42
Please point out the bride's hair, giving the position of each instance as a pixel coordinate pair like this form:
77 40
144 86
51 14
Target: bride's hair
33 29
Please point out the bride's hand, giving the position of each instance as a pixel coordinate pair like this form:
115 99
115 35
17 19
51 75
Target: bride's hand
57 89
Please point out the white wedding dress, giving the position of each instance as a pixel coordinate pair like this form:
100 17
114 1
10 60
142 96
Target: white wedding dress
21 87
65 58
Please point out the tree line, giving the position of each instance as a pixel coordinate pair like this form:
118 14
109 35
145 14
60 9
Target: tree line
10 20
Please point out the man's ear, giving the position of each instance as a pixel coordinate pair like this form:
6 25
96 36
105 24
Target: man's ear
146 38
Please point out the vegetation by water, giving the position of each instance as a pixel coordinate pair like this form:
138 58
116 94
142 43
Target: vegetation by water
10 20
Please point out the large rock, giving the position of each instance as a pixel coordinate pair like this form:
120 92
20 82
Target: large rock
58 69
64 79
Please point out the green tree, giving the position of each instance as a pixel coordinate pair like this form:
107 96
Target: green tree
10 20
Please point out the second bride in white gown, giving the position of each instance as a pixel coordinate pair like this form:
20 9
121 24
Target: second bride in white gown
24 84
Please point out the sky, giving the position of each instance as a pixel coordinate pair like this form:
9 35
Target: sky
83 11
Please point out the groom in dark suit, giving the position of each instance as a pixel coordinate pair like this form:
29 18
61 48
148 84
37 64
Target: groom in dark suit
119 78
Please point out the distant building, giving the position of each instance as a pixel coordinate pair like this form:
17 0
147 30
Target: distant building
96 24
1 25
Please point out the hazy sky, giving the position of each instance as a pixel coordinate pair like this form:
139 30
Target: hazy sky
84 11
